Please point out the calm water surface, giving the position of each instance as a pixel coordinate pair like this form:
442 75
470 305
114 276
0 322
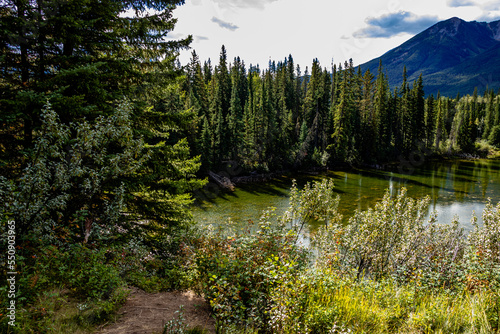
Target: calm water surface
455 187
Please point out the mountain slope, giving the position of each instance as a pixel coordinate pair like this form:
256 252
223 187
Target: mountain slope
452 55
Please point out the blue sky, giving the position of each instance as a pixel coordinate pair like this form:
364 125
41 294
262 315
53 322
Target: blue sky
259 30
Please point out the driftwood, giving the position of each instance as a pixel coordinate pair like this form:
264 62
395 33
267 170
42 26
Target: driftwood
254 178
222 181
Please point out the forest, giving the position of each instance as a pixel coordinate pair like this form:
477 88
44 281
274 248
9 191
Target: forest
281 118
105 136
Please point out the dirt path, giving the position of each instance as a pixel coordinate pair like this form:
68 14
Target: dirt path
147 313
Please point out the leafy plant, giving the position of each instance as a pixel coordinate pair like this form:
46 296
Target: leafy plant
238 271
71 191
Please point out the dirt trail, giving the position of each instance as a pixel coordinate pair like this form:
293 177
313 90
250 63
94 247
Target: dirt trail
147 313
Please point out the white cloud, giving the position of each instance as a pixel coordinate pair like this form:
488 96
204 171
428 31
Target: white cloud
198 38
460 3
224 24
392 24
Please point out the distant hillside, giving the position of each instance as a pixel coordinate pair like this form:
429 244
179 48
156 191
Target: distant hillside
452 55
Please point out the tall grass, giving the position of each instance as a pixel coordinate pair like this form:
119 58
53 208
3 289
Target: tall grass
384 307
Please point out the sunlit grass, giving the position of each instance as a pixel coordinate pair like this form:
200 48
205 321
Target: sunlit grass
383 307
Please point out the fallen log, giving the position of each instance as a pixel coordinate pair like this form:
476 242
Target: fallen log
221 181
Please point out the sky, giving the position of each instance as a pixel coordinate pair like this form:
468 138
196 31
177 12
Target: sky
260 30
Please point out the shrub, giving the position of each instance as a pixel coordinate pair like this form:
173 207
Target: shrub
238 271
70 190
482 257
393 240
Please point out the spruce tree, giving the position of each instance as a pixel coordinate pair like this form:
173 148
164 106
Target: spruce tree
429 121
343 144
219 108
440 131
369 119
83 56
381 111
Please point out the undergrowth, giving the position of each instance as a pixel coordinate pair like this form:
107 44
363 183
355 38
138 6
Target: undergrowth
387 271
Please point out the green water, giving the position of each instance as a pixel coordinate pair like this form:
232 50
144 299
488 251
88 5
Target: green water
455 187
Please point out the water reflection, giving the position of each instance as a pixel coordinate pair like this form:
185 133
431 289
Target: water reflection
455 188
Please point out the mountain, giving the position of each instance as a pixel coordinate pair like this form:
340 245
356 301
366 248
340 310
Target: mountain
453 56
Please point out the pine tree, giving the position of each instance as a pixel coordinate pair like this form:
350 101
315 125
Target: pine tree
488 117
239 91
381 110
196 91
219 108
344 119
465 138
418 96
83 56
429 122
369 120
206 144
441 113
316 105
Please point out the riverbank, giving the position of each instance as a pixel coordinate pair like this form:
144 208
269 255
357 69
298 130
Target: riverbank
386 272
231 175
456 186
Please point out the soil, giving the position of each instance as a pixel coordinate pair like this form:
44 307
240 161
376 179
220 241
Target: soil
147 313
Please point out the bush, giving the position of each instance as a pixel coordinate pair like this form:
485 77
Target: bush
393 240
386 271
482 257
70 190
239 271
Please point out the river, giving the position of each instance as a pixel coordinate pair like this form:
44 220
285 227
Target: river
456 187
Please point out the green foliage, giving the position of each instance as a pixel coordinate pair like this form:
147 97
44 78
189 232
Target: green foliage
482 255
86 278
84 55
71 189
393 240
176 326
237 272
316 201
386 271
494 137
280 118
332 303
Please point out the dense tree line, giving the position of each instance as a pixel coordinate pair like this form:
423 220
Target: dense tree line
282 118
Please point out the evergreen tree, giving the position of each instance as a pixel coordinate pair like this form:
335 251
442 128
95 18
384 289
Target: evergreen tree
381 111
270 129
418 96
465 138
206 144
369 119
86 56
196 92
82 55
440 132
219 108
344 119
239 91
489 117
429 122
207 71
316 105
